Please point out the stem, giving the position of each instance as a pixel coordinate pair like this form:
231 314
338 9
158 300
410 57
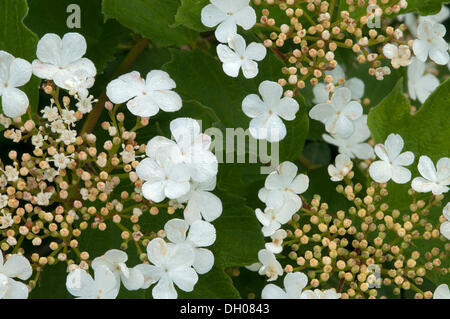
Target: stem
95 114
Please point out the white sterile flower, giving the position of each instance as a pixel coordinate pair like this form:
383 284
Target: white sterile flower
14 72
277 241
270 219
227 14
201 202
399 55
445 226
338 116
266 113
104 285
430 42
115 260
319 294
145 97
420 85
412 21
281 191
237 55
201 234
343 166
442 292
355 85
294 283
354 146
61 60
434 179
190 147
17 266
163 177
172 264
270 265
392 161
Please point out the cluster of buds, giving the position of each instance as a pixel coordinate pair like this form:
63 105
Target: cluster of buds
307 35
66 184
368 246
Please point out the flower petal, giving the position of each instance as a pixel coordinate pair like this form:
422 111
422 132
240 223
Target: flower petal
202 234
176 230
17 266
184 278
15 102
204 260
380 171
125 87
212 16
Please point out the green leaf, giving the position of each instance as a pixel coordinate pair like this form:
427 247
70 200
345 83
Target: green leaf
189 14
425 133
18 40
425 7
102 37
152 19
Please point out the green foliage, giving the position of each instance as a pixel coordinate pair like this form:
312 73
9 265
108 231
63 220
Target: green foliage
425 7
18 40
152 19
102 37
188 14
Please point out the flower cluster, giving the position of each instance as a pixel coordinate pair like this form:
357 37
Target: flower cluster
68 184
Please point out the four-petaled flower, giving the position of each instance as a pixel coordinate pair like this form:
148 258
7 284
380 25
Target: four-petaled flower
145 97
338 116
237 55
399 55
61 60
266 113
435 179
17 266
171 264
227 14
392 161
430 42
14 72
343 166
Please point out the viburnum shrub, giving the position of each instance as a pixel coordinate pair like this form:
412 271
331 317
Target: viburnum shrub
136 137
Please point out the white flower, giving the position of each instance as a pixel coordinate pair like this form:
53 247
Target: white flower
80 284
445 226
442 292
399 56
201 234
50 113
294 283
3 201
115 260
237 55
163 177
266 113
67 137
281 191
145 97
392 161
11 173
420 85
354 146
355 85
61 60
430 42
435 179
37 140
201 202
270 266
343 166
190 147
277 240
6 220
14 72
60 160
43 198
270 220
171 264
84 104
17 266
319 294
412 22
227 14
338 116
